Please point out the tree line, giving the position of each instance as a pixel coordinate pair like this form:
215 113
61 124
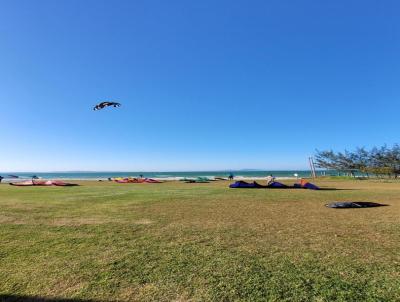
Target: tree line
378 161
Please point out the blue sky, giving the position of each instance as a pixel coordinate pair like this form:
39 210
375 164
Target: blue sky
203 84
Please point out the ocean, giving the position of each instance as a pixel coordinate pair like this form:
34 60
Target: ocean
240 174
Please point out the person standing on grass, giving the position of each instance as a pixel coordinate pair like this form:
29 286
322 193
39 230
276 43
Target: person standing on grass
270 180
1 178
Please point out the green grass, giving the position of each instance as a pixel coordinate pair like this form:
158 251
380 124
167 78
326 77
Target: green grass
199 242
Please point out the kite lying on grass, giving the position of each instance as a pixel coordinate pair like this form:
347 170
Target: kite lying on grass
28 183
273 185
136 180
354 204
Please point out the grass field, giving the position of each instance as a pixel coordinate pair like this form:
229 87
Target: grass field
199 242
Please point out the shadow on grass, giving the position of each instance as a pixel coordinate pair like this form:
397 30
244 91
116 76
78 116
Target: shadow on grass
301 189
320 189
17 298
335 189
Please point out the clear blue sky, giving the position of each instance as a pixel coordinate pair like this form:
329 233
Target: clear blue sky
203 84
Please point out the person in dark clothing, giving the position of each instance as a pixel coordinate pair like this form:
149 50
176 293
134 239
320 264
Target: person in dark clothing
1 178
231 176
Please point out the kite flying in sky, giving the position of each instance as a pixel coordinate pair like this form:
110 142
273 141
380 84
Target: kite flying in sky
106 104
